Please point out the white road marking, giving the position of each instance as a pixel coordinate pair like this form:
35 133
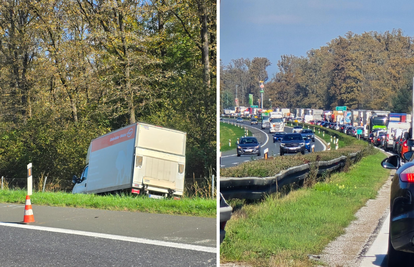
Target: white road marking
114 237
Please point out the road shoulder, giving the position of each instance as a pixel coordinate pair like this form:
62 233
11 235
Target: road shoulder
350 249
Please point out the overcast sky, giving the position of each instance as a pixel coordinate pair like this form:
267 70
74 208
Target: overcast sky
272 28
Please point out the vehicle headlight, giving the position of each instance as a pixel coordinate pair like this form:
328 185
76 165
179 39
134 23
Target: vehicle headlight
238 147
301 144
257 147
282 144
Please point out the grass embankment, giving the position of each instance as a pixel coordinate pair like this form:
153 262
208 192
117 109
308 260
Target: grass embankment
272 166
228 131
186 206
284 230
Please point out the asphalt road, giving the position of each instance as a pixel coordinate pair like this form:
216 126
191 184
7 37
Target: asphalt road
87 237
229 158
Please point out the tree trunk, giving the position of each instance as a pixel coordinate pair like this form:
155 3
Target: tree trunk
205 43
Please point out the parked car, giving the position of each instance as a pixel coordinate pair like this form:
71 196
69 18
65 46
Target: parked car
308 133
400 238
278 136
248 146
292 143
225 215
239 120
254 121
297 129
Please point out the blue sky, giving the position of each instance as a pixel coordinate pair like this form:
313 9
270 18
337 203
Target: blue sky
272 28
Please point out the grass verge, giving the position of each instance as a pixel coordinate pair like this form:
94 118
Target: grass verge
284 230
186 206
228 131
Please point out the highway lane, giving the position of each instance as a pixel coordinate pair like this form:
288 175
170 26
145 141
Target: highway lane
28 247
230 159
89 237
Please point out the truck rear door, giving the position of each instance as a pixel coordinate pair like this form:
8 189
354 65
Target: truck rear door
160 159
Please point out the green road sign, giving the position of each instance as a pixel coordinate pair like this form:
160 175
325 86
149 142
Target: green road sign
341 108
254 106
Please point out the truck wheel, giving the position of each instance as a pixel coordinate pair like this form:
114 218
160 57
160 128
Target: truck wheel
303 152
238 154
281 153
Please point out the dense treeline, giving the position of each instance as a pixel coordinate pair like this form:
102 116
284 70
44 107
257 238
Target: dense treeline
367 71
71 70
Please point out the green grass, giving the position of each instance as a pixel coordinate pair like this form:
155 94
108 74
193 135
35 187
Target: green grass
227 132
284 230
186 206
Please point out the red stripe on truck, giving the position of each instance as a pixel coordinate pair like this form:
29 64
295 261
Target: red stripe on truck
113 138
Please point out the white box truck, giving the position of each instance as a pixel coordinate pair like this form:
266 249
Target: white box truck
139 158
276 122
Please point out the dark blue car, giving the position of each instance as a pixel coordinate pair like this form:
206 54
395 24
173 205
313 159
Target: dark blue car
278 136
248 146
308 133
292 143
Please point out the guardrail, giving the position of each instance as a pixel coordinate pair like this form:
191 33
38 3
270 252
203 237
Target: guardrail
259 187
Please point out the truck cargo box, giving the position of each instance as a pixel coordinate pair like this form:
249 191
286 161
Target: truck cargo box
140 158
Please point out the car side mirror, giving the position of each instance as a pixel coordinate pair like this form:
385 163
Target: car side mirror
75 179
407 155
393 162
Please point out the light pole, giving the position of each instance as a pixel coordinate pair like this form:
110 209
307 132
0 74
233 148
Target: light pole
261 93
237 100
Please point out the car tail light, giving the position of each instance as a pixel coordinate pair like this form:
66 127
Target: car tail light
135 191
407 175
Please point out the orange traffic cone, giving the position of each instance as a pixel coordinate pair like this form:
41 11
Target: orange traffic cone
28 212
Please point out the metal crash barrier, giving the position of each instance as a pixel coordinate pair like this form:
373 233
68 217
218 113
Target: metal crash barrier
259 187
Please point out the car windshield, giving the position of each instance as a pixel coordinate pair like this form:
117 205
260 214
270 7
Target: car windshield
290 137
307 131
276 120
248 141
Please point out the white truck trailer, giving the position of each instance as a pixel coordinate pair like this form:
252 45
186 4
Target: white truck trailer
139 158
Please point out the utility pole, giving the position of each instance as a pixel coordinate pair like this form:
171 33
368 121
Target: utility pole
261 93
237 100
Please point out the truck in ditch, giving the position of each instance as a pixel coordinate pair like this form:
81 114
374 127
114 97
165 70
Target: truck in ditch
139 159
